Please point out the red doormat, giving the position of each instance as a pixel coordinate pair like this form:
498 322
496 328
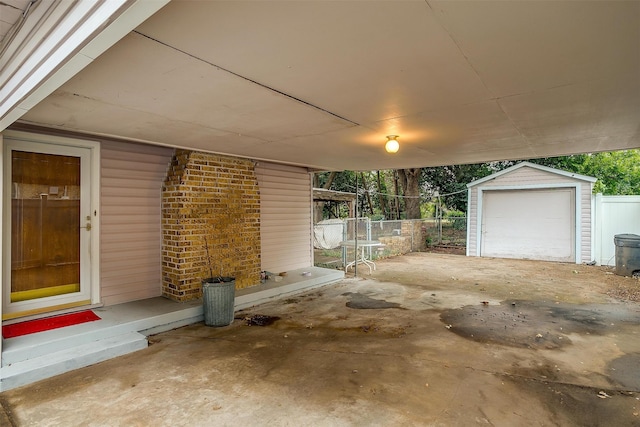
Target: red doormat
55 322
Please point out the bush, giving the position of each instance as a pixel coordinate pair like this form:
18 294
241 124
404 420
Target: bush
458 219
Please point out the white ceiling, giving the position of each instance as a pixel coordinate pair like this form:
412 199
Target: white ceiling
10 14
321 84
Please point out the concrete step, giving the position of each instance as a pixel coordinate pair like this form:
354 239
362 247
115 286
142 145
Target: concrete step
40 344
295 282
78 356
123 328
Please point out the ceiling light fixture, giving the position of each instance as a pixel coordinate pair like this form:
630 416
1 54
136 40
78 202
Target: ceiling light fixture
392 144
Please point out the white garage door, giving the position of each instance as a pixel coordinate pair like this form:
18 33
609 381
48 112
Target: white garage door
529 224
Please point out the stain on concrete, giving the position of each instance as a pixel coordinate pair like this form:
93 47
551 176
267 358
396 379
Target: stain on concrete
620 368
363 302
260 320
535 324
577 405
324 363
6 416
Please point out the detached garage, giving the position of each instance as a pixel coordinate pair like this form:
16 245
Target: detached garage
530 211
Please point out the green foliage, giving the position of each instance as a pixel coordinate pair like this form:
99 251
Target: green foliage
342 181
451 181
428 210
618 172
334 253
571 163
367 185
458 219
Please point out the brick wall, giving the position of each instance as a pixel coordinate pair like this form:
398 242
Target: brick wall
412 238
395 245
210 223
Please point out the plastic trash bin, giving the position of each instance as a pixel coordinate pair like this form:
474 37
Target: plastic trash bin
218 298
627 254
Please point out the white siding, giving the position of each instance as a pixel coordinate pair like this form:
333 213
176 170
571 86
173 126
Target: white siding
130 233
613 215
285 217
529 178
586 252
472 221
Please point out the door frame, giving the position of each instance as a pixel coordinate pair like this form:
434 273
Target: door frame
94 199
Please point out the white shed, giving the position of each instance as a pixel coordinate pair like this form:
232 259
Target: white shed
530 211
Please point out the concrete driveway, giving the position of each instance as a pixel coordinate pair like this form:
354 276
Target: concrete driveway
428 339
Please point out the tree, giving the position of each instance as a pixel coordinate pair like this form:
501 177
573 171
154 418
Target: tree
618 172
382 194
410 182
451 181
324 179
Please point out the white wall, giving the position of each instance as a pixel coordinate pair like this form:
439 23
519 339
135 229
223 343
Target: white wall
613 215
285 217
130 235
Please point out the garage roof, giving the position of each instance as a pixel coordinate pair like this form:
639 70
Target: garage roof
534 166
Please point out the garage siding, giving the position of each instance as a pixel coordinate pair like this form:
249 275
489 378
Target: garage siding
130 234
285 217
586 254
527 176
472 222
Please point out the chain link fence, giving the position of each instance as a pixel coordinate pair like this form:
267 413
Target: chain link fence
396 238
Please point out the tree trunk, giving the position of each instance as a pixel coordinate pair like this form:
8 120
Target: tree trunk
381 199
330 179
410 181
396 199
365 187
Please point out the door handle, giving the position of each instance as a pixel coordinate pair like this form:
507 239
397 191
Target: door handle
88 226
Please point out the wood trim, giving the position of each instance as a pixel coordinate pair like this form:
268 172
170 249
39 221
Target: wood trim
46 310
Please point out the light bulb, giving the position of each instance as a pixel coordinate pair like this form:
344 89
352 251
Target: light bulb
392 145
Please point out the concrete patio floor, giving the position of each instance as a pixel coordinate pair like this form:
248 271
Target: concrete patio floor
427 339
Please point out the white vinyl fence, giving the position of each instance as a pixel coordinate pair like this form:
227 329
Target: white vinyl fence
613 215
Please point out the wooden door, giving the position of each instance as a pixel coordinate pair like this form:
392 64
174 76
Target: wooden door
49 227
